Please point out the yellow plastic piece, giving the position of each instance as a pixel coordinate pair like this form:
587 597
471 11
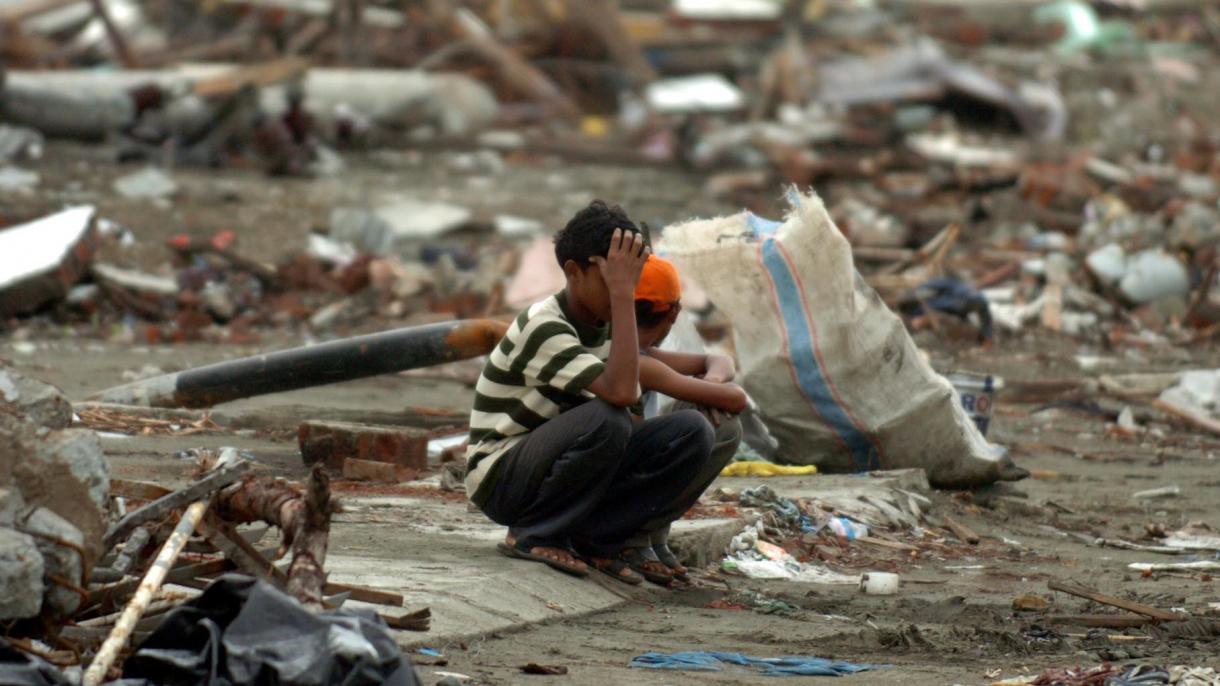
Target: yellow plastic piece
766 469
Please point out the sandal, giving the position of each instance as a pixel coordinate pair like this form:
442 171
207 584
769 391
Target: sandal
575 568
617 569
644 561
669 559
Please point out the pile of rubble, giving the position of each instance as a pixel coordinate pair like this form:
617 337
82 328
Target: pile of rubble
373 265
84 556
55 483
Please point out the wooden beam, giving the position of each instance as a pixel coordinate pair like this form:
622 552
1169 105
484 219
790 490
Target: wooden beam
516 72
116 37
1190 416
1103 621
1112 601
264 74
963 532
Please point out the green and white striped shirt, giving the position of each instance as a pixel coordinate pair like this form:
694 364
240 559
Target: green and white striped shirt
541 368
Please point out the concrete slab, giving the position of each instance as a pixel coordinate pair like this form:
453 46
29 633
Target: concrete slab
443 556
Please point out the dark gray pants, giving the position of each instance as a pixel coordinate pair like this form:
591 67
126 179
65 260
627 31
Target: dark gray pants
726 440
591 478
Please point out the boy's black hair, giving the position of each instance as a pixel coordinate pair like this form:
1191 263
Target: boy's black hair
645 318
588 233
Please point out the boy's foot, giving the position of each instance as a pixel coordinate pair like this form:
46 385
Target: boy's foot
617 569
669 559
555 558
644 561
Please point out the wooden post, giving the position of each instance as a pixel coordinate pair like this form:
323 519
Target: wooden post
519 74
144 594
116 38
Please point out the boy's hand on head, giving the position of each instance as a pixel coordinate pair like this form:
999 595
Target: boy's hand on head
621 266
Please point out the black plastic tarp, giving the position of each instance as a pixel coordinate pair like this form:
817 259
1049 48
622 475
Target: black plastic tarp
245 631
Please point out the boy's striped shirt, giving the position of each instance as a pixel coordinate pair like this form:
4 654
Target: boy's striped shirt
541 368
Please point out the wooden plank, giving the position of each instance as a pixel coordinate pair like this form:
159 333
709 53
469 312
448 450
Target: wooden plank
264 74
1193 418
365 594
420 620
883 543
116 37
239 550
178 499
1103 621
1112 601
963 532
137 490
110 596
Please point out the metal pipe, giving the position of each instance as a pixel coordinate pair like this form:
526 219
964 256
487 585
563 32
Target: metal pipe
144 594
315 365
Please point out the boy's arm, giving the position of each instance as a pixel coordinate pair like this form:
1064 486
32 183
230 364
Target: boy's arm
619 383
657 376
712 367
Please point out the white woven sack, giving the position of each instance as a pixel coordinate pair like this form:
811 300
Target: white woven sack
837 378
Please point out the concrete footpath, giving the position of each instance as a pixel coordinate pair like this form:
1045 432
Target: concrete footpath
440 554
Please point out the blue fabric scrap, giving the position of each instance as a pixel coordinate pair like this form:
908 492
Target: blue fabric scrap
796 665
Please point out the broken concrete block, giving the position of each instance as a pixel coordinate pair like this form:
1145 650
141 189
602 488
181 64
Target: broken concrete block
19 143
381 229
333 442
21 572
148 183
12 506
81 452
136 281
367 470
40 260
59 561
18 180
67 113
37 402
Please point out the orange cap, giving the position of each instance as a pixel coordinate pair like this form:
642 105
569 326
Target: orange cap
659 284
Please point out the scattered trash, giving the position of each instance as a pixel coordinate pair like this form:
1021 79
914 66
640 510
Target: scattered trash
767 666
1197 390
1154 493
977 393
149 183
879 583
757 468
535 668
700 93
248 620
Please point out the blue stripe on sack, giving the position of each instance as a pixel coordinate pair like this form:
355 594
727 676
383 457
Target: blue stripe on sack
809 374
761 226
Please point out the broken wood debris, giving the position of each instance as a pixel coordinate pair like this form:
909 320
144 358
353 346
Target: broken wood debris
163 506
1128 605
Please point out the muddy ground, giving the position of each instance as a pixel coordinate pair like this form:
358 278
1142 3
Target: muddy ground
954 620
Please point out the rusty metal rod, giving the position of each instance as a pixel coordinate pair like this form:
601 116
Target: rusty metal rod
315 365
144 594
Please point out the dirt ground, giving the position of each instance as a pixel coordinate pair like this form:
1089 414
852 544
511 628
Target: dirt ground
953 621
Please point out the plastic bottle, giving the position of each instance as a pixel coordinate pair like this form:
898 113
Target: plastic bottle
846 528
